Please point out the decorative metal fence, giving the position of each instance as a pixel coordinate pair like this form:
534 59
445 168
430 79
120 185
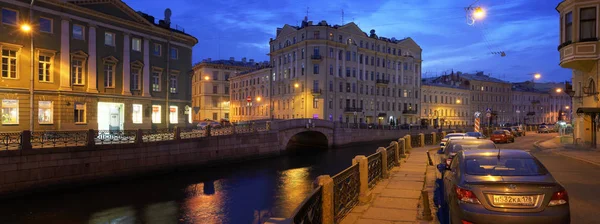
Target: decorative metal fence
346 187
115 137
375 166
428 139
310 210
391 156
10 140
415 141
438 138
186 133
159 134
53 139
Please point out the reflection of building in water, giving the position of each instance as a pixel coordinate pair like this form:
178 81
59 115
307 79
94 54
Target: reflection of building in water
295 185
163 213
203 207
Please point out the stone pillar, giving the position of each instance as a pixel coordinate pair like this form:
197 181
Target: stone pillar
326 183
443 134
26 140
433 138
177 133
364 195
422 138
126 65
384 171
402 147
397 152
146 72
139 136
91 138
407 140
65 56
92 77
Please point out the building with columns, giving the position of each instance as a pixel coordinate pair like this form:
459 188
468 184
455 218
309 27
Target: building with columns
445 104
341 73
94 64
250 98
539 103
211 87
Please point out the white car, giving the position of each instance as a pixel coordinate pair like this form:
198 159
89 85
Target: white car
445 139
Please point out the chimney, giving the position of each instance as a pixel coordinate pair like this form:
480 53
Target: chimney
231 58
251 60
244 59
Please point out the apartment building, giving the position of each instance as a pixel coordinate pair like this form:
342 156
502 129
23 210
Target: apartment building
537 103
93 65
211 87
250 98
445 103
341 73
578 49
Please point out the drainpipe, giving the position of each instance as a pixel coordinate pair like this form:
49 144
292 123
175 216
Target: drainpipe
31 67
168 90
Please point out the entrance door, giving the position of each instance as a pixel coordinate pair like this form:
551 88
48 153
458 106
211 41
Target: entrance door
115 122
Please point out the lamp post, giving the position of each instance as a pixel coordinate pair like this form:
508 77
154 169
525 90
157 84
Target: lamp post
518 117
26 28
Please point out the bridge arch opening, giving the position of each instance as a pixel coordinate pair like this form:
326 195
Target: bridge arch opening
307 140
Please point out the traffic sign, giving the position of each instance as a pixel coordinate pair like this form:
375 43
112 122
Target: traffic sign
488 115
249 99
488 110
477 114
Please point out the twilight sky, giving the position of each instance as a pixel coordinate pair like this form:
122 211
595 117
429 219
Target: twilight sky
527 30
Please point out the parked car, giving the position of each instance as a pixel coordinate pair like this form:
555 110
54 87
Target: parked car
445 139
456 144
213 124
543 129
511 130
476 135
506 186
519 130
502 136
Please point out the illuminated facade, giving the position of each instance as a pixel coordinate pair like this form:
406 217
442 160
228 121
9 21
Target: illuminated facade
96 65
250 98
340 73
211 87
542 104
447 105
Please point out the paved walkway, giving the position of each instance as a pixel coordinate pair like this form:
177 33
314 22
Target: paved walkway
569 150
396 199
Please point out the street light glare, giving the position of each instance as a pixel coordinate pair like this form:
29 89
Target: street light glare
567 107
26 28
537 76
558 90
206 77
479 13
258 99
296 85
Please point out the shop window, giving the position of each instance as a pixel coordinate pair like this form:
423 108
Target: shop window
156 114
10 111
137 114
45 112
173 119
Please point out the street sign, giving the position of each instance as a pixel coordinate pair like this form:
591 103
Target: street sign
249 99
488 110
488 115
477 114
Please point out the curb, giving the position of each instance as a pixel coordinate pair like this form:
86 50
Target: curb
536 145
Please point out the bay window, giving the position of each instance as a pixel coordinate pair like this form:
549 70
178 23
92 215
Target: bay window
587 23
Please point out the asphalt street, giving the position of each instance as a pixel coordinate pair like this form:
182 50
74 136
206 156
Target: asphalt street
581 179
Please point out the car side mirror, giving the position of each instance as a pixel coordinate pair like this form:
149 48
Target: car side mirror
442 167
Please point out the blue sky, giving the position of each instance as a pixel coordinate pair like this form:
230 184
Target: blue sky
527 30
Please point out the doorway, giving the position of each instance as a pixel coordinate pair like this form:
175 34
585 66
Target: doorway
110 116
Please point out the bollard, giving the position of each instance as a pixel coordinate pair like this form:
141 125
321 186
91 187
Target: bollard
326 183
384 171
433 138
422 140
364 195
407 140
429 158
426 208
397 153
402 147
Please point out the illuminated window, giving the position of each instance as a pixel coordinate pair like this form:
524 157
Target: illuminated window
79 113
156 114
136 44
156 81
109 39
45 112
9 63
44 63
173 114
10 111
137 114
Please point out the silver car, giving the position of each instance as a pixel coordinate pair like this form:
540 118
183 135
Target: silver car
543 129
502 186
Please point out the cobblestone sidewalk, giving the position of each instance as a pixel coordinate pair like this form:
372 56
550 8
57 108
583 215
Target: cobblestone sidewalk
572 151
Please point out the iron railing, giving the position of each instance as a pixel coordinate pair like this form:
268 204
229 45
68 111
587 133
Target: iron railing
346 187
191 133
10 140
428 139
105 137
375 168
415 141
438 138
53 139
391 156
310 210
159 134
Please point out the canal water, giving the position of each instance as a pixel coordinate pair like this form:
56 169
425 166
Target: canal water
241 193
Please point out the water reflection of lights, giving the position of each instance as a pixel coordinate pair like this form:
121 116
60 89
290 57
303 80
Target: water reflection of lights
204 203
165 212
295 185
114 215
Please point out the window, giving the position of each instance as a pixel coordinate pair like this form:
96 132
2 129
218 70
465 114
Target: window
45 25
44 63
136 115
45 112
156 81
78 32
10 111
109 39
215 116
173 114
136 44
315 69
315 102
587 23
215 75
109 75
215 89
157 50
9 63
79 113
77 71
173 84
135 78
156 114
174 53
10 17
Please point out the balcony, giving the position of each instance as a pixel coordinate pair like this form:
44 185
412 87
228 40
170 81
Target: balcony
382 81
316 92
535 102
409 112
316 58
353 109
579 55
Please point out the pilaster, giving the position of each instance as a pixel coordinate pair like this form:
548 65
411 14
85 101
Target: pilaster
146 72
126 64
65 62
92 70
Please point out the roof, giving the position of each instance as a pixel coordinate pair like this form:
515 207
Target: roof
588 110
230 63
481 77
510 153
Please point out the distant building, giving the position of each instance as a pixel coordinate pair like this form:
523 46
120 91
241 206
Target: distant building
340 73
578 48
96 65
539 103
445 103
250 98
211 87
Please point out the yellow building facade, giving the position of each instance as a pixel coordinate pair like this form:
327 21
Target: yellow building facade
445 105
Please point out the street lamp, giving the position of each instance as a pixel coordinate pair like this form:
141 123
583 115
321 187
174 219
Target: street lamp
26 28
457 101
537 76
206 78
479 13
258 99
296 85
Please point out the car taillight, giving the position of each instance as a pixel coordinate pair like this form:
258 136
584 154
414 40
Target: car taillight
559 198
465 195
466 222
448 161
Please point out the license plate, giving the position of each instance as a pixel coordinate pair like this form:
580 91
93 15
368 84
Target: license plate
514 200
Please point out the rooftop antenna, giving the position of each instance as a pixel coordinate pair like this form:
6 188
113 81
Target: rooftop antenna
342 17
306 18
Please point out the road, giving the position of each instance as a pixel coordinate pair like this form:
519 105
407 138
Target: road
581 179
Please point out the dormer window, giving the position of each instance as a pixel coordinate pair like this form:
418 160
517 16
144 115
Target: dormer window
587 23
